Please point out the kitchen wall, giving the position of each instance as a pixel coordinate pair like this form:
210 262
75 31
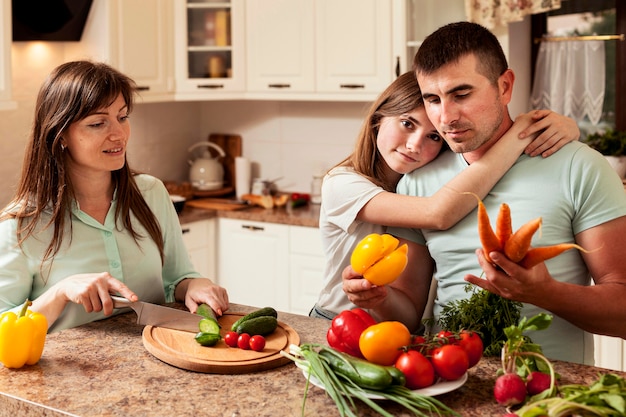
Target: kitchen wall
288 140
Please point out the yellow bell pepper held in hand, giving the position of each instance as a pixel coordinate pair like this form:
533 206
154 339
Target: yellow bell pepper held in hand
22 337
379 259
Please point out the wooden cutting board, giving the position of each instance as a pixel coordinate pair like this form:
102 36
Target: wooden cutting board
179 348
215 204
232 147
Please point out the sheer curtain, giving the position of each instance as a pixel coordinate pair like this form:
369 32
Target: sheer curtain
570 79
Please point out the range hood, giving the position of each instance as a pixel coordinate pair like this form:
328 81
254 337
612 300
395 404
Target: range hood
49 20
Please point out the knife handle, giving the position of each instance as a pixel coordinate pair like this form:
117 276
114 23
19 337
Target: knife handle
121 302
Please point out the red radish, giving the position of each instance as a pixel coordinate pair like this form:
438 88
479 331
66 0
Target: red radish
510 389
537 382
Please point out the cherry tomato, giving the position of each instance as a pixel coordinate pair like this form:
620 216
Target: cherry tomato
381 342
257 343
417 369
446 337
450 361
243 342
230 339
473 345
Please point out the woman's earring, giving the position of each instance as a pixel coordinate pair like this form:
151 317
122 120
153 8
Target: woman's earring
62 147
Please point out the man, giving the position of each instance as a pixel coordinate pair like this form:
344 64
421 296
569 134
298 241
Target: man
466 85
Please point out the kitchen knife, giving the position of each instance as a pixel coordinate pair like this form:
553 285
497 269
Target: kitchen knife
160 316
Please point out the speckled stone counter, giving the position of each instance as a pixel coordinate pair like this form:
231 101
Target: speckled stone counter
103 369
307 216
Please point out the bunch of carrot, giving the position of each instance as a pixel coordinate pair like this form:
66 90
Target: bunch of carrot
515 246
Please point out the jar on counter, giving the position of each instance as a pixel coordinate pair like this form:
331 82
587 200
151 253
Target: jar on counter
316 189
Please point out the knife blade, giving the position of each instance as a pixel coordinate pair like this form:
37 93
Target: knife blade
160 316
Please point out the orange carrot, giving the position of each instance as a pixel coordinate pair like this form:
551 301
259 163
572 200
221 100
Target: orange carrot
518 244
504 230
535 256
486 234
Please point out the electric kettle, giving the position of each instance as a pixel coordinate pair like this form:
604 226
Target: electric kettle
206 173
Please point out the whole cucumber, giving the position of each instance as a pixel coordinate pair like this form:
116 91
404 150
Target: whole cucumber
262 325
363 373
265 311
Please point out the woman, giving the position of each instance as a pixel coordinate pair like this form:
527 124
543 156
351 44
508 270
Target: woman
358 195
83 225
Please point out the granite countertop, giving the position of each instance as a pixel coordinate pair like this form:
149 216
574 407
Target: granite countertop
103 369
307 216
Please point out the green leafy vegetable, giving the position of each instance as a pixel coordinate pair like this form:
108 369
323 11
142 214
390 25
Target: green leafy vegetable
605 397
485 313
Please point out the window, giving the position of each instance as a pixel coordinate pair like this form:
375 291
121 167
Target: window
593 17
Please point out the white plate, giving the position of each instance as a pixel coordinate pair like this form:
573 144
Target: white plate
439 388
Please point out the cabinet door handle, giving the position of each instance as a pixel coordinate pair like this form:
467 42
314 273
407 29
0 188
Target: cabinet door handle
186 230
253 228
397 66
214 86
143 88
352 86
279 85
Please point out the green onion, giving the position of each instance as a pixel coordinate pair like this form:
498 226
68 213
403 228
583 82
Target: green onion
342 390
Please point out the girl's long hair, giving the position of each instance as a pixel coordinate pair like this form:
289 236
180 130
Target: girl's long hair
400 97
73 91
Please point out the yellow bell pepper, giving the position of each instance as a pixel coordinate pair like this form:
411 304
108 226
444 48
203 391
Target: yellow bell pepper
379 259
22 337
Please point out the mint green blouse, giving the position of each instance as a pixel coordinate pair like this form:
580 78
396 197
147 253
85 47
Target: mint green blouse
91 247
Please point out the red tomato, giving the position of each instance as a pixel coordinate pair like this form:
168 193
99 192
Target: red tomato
243 342
473 345
450 361
230 339
447 337
417 369
257 343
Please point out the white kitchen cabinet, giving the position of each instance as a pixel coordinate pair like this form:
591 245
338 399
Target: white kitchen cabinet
610 352
353 46
280 46
318 49
253 262
200 238
6 37
209 48
306 268
135 37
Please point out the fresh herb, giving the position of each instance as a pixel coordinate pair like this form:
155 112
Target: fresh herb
343 390
484 312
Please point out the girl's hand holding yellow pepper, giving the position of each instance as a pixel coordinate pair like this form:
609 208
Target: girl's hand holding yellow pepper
379 259
22 337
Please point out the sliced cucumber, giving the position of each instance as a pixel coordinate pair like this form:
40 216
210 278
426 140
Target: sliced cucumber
208 339
209 326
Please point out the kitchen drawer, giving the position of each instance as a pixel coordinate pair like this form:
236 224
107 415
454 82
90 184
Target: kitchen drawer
197 234
305 240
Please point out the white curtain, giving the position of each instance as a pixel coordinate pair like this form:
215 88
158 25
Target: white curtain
570 79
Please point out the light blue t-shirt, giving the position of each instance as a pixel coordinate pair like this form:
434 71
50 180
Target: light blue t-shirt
573 190
94 248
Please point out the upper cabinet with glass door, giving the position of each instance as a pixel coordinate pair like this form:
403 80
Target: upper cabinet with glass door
422 18
209 48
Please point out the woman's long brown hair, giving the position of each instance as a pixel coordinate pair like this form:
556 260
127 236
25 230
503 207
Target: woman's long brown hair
400 97
73 91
